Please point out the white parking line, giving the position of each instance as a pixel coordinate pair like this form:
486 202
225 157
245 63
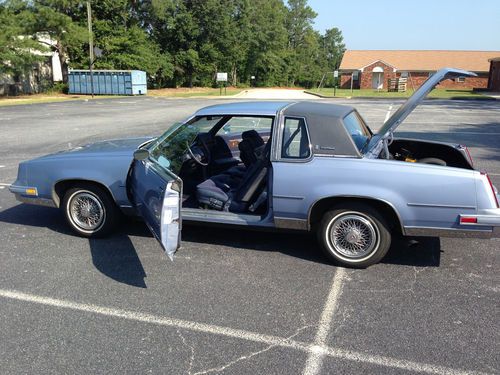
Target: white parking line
247 335
315 359
388 114
154 319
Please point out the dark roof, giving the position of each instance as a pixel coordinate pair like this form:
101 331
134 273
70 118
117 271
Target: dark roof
319 109
327 132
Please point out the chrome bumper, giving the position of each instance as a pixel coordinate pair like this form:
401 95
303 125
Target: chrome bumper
21 196
487 225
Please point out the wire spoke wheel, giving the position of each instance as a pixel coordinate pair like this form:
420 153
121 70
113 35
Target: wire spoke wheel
353 235
86 211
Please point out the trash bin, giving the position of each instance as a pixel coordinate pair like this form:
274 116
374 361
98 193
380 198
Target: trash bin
108 82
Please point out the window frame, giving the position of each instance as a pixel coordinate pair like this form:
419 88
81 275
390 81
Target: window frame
279 140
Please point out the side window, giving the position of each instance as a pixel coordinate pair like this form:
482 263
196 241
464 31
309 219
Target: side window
240 124
295 143
233 129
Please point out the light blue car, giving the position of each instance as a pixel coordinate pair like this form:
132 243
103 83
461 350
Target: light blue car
293 165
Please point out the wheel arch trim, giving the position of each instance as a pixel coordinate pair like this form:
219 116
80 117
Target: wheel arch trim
355 197
58 199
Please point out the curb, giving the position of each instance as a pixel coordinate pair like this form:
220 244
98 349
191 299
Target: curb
488 98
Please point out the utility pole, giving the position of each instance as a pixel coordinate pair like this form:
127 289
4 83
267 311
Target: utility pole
91 47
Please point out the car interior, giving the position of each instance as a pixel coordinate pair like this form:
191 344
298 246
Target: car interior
226 168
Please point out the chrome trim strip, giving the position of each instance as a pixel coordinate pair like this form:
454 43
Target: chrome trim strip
16 189
338 156
359 197
36 201
450 232
440 205
278 157
277 132
483 220
288 197
290 223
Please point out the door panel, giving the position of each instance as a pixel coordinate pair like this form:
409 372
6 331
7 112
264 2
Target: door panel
157 194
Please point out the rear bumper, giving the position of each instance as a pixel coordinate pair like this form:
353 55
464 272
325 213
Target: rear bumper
487 225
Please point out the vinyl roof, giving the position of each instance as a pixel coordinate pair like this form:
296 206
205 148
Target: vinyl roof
318 109
419 60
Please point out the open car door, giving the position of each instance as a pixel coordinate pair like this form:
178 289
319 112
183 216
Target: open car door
156 193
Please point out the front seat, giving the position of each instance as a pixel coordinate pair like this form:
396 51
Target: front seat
217 195
250 145
251 148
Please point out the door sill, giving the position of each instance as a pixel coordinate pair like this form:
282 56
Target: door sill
211 216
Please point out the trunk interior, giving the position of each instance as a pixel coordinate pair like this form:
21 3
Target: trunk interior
416 151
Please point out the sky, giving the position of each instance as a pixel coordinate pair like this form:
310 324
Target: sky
417 24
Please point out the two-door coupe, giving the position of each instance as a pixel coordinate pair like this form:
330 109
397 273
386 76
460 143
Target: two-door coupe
292 165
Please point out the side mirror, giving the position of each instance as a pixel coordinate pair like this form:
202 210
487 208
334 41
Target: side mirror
141 154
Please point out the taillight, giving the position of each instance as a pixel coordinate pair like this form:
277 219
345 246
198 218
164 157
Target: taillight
493 190
468 220
468 155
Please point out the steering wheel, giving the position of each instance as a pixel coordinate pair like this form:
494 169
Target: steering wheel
197 157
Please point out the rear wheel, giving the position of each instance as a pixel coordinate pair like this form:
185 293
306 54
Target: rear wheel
354 235
89 210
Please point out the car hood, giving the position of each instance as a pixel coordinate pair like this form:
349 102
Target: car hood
376 143
112 146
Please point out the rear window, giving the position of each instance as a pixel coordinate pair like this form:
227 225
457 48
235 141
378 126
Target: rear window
357 129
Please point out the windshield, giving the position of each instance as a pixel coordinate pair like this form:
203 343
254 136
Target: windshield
169 149
358 130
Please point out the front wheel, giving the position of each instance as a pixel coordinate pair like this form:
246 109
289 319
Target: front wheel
354 235
89 210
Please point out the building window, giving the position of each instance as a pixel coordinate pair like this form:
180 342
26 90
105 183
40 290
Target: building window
460 79
404 74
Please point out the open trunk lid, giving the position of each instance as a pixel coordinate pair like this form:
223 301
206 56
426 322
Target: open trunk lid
376 143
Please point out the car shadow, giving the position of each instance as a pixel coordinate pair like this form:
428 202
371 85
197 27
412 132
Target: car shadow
405 251
114 256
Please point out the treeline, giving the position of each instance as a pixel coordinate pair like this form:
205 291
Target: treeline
177 42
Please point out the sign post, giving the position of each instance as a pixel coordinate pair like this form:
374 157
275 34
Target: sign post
91 47
354 75
221 78
335 78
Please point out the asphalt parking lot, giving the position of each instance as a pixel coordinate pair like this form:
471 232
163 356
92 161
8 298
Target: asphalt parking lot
235 301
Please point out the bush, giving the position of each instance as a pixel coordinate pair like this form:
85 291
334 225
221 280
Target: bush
58 88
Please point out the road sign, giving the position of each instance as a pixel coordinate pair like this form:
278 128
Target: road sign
221 77
97 52
336 74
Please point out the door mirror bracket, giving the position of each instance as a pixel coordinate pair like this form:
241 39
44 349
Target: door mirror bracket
141 154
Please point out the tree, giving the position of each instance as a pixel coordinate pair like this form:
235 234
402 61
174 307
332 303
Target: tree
178 42
333 47
302 41
18 51
58 20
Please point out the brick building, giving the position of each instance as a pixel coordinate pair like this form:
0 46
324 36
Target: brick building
371 69
494 76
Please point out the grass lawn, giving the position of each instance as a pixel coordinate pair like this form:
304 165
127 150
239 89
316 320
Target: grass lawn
169 93
184 92
48 98
437 93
